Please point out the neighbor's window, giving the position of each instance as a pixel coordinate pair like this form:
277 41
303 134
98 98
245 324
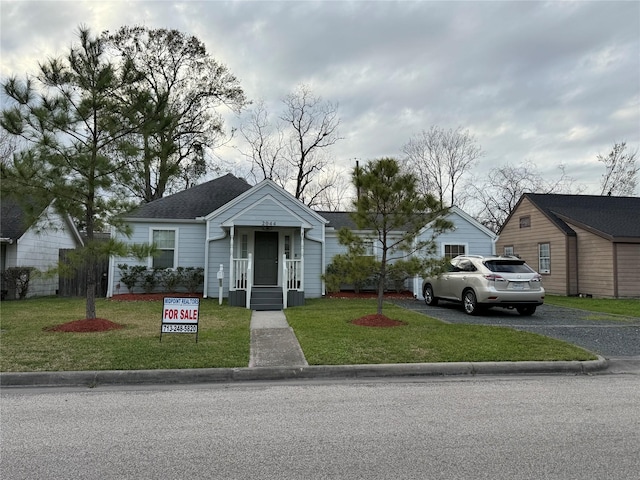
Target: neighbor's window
508 251
525 222
165 242
544 258
452 251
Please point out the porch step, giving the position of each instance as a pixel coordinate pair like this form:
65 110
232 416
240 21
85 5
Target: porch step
266 298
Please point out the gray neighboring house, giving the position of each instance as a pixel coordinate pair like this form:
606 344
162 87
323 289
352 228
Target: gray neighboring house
37 244
270 248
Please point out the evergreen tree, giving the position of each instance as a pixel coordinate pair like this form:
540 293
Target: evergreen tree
73 116
390 205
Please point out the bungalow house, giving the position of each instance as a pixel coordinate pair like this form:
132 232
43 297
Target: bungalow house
264 247
580 244
25 243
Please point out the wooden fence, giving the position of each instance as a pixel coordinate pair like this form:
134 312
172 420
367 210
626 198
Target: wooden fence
75 285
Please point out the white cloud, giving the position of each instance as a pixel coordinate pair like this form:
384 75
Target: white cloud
556 82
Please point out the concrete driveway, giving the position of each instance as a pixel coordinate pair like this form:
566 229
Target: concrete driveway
607 335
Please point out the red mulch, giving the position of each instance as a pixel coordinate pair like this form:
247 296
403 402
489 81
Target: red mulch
151 297
369 295
86 325
376 320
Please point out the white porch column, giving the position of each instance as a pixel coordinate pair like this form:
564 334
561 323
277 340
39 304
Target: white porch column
232 270
285 280
249 280
302 260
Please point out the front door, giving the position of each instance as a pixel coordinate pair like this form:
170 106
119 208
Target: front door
266 258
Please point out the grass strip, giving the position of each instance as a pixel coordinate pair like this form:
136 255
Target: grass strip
223 338
616 306
327 337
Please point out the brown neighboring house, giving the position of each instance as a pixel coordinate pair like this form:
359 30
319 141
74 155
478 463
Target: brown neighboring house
581 244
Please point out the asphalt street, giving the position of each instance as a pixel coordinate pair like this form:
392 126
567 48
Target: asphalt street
498 428
610 336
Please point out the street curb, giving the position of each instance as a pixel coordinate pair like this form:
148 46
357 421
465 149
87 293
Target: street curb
229 375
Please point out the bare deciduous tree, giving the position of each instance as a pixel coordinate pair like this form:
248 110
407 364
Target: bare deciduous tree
265 139
440 158
313 127
621 176
501 189
331 191
292 149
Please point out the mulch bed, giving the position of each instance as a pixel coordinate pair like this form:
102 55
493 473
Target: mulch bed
151 297
103 325
369 295
377 320
86 325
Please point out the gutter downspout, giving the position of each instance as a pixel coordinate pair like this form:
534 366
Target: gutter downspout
207 242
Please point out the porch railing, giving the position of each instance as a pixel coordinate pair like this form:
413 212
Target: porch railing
293 274
239 274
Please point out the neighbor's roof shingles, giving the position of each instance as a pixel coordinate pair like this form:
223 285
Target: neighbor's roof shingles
611 217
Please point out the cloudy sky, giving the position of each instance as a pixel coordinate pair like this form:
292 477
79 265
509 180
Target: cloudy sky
543 82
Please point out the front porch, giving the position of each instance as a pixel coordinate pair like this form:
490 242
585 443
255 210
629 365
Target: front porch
243 292
266 268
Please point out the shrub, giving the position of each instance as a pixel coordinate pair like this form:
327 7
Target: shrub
170 279
192 278
150 280
356 270
130 275
17 281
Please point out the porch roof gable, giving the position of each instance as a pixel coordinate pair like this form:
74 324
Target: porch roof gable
283 197
286 217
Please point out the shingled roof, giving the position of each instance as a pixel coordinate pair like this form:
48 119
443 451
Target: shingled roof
194 202
614 218
338 220
16 217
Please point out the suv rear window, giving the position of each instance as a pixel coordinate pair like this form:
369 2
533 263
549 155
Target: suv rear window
508 266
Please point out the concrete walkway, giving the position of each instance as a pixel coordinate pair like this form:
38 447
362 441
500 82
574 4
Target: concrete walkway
273 343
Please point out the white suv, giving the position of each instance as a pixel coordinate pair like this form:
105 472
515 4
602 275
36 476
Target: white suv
486 281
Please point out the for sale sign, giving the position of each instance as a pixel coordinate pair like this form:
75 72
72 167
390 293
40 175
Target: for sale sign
180 315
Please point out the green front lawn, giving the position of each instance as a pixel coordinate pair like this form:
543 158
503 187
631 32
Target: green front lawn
627 307
323 328
223 338
328 337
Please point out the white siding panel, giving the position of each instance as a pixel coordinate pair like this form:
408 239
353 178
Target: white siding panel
40 247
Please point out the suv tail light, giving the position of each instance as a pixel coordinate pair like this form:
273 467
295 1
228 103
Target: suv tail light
536 278
493 277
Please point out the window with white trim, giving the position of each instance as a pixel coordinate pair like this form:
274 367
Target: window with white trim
368 248
287 246
508 251
453 250
165 243
244 246
544 258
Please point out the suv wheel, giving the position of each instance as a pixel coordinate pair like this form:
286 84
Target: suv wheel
470 302
429 299
527 311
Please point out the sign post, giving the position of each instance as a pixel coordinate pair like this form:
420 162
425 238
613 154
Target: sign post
180 315
220 287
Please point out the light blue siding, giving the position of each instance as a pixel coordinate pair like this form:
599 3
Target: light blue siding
312 269
190 246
